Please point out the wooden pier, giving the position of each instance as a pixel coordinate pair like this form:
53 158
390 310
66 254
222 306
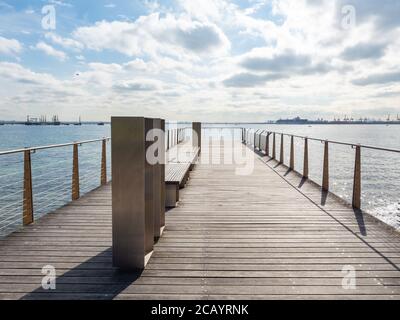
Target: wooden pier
267 235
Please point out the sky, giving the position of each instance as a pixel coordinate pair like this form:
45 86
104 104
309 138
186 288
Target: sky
208 60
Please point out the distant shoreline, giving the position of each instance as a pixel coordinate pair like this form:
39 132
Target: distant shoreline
220 123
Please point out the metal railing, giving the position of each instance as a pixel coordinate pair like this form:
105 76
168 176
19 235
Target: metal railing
260 139
18 199
18 206
175 136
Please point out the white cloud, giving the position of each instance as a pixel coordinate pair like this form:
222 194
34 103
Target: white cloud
223 60
66 43
137 85
378 79
5 5
60 3
204 10
50 51
154 34
17 73
9 46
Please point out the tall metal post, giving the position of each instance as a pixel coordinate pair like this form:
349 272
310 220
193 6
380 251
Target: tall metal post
103 175
281 160
162 178
167 139
325 176
273 146
357 179
196 127
158 179
305 161
75 173
27 215
150 185
131 193
291 153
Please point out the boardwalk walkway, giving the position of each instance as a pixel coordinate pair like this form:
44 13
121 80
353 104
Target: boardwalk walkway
261 236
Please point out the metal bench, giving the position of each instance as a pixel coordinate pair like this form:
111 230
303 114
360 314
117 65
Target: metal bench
177 174
191 156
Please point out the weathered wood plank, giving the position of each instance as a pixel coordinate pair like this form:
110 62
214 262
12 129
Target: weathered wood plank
259 236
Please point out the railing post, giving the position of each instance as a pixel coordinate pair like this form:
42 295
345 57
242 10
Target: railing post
103 175
267 144
168 139
305 162
357 179
325 176
291 153
281 160
273 146
27 215
75 173
196 135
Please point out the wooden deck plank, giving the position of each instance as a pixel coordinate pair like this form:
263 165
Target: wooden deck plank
260 236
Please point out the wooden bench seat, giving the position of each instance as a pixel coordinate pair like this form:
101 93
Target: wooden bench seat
177 174
192 157
186 154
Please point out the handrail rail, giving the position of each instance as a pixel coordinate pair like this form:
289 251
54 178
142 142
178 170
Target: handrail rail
51 146
27 200
220 127
250 136
333 141
174 136
6 152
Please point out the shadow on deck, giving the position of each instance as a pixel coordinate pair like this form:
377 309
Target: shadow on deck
85 281
268 235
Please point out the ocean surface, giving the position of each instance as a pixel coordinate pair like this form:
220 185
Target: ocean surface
51 169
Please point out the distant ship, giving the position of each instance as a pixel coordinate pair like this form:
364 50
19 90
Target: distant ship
78 123
34 121
100 123
296 120
55 121
41 121
346 120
